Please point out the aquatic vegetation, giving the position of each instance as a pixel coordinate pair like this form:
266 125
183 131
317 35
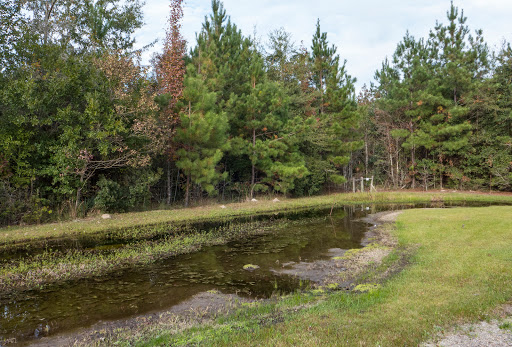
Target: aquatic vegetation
56 266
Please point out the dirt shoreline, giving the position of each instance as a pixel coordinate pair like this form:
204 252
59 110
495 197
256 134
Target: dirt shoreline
345 266
199 309
339 272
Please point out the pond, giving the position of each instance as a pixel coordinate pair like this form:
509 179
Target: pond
306 237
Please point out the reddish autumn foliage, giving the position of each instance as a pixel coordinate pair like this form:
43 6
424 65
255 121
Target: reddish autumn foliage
171 65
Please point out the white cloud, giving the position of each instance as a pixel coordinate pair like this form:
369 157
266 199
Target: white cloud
365 32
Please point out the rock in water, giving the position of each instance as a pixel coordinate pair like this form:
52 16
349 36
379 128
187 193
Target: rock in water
106 216
251 267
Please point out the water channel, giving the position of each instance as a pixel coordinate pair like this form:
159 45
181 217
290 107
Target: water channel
308 237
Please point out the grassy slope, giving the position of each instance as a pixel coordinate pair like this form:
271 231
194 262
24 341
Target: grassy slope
97 226
460 272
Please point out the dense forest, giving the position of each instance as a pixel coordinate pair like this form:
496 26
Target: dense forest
85 127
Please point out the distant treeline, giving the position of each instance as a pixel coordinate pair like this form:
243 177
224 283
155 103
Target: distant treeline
85 127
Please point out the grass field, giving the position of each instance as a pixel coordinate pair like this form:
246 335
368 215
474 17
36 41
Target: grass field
460 271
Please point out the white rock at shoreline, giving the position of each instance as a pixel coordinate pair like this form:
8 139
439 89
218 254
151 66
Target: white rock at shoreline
106 216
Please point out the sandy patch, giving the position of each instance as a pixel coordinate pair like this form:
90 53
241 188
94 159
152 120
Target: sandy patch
482 334
496 333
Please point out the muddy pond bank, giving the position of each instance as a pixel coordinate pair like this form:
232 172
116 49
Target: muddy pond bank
163 284
202 308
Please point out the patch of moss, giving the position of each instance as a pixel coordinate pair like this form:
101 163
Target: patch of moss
319 290
366 287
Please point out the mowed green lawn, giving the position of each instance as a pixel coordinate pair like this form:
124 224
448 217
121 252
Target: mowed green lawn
460 271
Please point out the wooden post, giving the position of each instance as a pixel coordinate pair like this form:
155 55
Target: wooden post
362 185
353 184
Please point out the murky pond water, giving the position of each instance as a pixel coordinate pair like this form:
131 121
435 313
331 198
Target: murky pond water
308 237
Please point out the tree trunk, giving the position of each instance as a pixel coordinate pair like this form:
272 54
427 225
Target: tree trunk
187 191
169 182
77 202
253 174
366 154
48 13
177 183
392 168
199 63
223 189
78 197
398 176
321 93
390 152
413 166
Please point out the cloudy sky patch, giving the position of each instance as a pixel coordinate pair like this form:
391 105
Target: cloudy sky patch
365 31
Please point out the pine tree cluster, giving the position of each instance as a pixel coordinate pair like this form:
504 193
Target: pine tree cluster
85 127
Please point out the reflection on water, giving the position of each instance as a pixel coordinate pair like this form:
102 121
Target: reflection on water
308 237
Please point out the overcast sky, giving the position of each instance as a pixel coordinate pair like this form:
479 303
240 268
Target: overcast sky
365 31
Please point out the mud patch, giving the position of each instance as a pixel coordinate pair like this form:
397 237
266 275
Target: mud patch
199 309
344 266
317 271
